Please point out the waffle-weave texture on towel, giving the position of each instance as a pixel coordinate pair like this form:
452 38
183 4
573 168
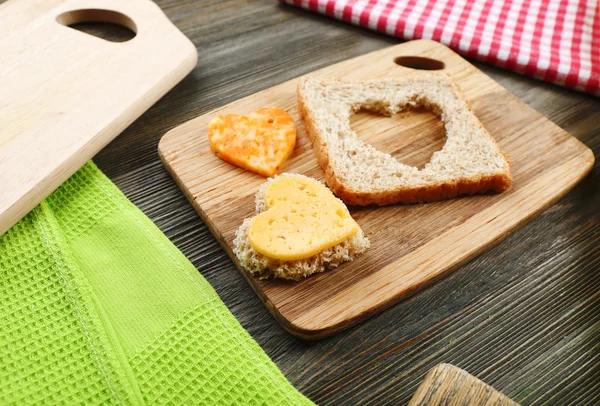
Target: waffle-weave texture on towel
98 307
557 41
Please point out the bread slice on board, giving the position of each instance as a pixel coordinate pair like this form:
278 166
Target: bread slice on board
264 267
470 161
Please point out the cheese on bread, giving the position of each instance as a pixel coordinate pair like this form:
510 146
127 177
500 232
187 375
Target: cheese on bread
302 219
264 266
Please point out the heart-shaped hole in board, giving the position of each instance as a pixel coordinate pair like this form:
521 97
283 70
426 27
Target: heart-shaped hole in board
411 136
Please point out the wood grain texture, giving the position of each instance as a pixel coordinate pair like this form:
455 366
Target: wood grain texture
448 385
411 246
523 316
53 117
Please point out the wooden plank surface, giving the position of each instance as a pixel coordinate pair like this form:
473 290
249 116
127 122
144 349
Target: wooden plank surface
411 245
448 385
523 316
50 124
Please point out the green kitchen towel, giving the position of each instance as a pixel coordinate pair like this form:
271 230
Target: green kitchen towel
98 307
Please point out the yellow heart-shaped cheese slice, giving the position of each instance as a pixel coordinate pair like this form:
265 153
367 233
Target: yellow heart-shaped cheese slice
259 142
302 219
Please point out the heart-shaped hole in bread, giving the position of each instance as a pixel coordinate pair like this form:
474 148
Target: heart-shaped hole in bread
469 162
411 136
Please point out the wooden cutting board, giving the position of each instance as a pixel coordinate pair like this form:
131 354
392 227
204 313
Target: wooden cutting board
65 94
411 245
448 385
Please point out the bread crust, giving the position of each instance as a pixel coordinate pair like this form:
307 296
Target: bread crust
430 193
411 194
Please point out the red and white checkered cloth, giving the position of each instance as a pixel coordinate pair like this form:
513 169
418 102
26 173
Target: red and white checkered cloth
553 40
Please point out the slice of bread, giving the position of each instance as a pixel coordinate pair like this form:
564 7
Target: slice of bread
470 161
265 267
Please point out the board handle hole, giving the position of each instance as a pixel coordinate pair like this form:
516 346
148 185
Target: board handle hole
105 24
419 62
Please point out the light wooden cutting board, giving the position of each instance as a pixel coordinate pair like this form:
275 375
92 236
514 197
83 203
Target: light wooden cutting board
65 94
411 245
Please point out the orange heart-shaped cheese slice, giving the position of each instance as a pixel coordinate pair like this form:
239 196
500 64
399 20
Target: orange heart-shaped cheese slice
259 142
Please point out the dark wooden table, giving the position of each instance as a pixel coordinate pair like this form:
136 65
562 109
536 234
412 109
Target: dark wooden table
524 317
